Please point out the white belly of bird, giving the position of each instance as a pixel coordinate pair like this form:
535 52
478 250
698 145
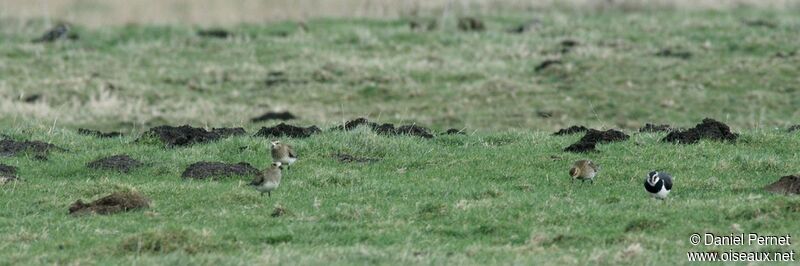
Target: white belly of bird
288 160
268 186
661 194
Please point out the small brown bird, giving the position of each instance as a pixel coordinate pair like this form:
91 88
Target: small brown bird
268 180
583 170
283 153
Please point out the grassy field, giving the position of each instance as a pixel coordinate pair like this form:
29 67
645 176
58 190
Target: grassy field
135 77
501 198
497 195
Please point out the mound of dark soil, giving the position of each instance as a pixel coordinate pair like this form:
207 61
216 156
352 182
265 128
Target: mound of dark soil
594 137
225 132
709 129
353 124
284 130
546 64
386 129
183 135
214 33
567 45
793 128
7 173
275 78
571 130
667 52
655 128
32 98
98 134
114 203
454 131
119 163
414 130
11 147
419 25
785 54
760 23
203 170
786 185
285 115
278 212
525 27
347 158
470 24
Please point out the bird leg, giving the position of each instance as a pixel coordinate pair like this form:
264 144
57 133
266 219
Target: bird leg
269 193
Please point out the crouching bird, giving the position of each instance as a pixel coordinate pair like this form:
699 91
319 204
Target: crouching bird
583 170
268 180
283 153
658 184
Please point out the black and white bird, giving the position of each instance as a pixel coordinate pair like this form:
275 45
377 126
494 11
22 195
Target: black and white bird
58 32
658 184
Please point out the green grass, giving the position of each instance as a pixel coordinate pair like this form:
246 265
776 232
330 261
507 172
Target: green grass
498 195
134 77
500 198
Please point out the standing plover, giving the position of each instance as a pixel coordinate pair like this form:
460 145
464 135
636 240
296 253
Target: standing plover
583 170
268 180
658 184
283 153
57 32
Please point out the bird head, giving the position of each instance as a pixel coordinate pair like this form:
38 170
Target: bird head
652 178
274 143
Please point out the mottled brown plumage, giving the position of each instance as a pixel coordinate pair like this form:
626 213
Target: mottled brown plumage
268 180
583 170
283 153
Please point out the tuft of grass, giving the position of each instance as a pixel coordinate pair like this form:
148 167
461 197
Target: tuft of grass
165 241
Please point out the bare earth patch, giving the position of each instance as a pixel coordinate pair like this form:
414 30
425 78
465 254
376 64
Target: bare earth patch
214 170
709 129
786 185
111 204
